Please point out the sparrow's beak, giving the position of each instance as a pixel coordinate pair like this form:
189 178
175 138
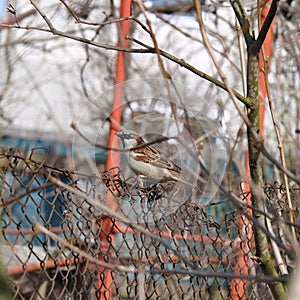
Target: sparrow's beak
120 134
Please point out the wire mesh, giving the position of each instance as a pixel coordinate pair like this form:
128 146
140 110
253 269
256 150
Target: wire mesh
57 245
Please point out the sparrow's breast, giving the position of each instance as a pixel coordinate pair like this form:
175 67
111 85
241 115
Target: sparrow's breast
146 169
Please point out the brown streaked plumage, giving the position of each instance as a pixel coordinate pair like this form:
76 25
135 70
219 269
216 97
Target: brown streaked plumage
148 161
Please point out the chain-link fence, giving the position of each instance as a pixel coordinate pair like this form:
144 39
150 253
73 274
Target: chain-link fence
59 241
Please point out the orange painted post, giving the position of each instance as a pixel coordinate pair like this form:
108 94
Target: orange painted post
243 263
238 286
113 157
107 235
267 46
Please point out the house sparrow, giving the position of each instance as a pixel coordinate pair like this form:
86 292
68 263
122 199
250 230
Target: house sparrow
147 161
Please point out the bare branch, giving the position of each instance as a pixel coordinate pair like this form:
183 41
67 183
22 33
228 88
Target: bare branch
256 46
43 15
243 19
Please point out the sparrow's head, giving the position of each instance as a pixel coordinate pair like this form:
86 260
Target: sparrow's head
128 139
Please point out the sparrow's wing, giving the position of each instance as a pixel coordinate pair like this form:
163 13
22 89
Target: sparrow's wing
151 155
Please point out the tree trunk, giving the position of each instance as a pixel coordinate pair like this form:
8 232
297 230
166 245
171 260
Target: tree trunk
255 164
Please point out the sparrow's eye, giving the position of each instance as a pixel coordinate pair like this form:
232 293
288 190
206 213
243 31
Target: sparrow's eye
128 136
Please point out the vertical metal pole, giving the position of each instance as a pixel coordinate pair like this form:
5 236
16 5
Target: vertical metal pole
107 236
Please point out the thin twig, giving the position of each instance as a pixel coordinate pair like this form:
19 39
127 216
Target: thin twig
40 228
101 146
43 15
220 72
265 28
163 70
280 146
122 218
243 20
